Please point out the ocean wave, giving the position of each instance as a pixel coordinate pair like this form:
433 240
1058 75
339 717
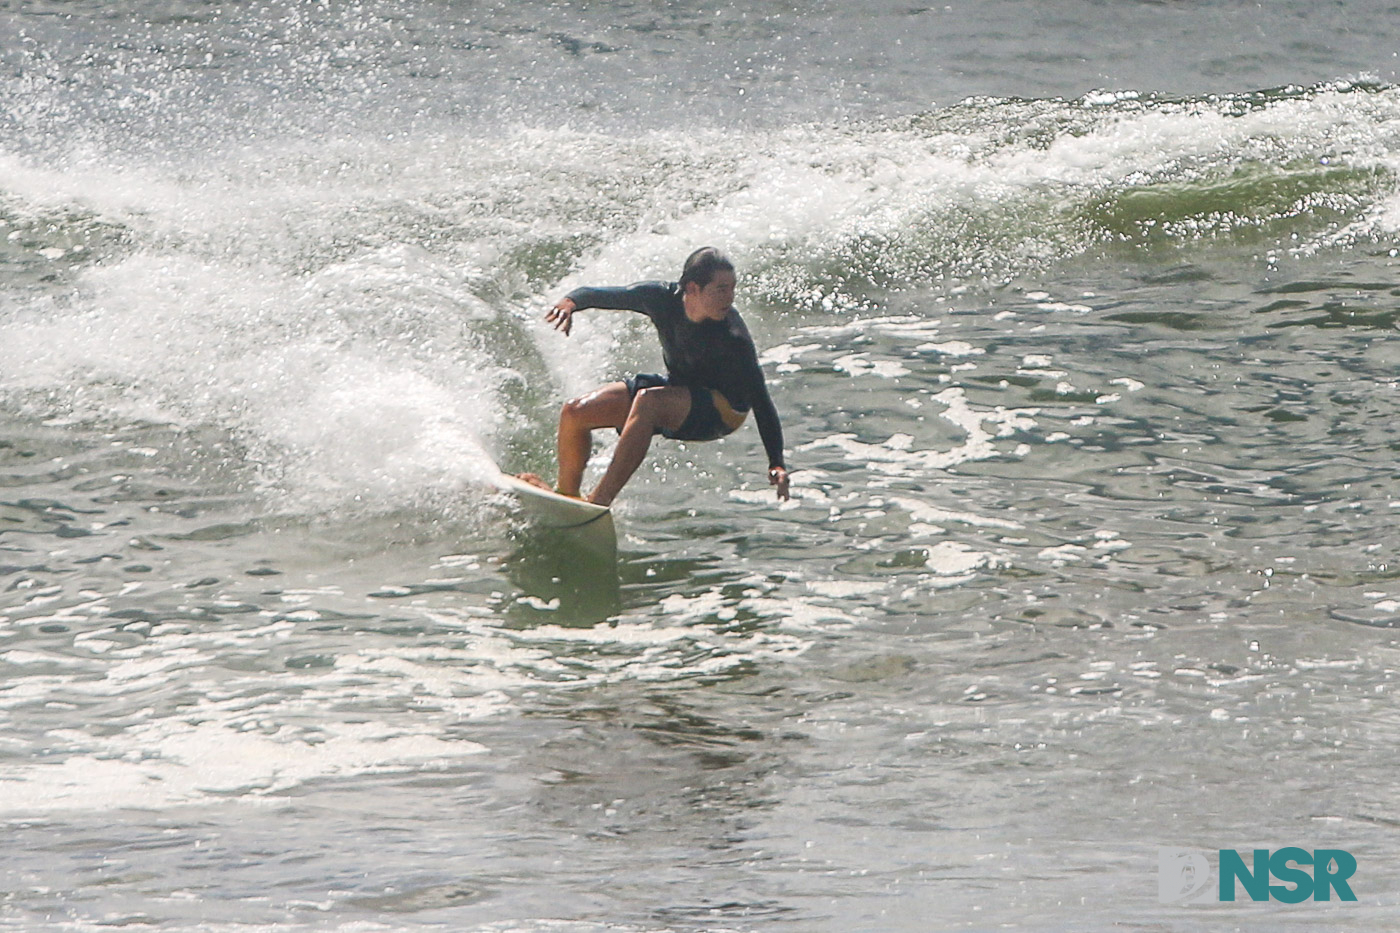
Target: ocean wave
363 313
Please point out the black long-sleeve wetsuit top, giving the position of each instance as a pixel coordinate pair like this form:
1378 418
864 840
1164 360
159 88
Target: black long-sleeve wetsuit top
718 355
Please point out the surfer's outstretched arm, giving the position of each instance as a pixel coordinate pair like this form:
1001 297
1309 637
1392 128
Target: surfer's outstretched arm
643 297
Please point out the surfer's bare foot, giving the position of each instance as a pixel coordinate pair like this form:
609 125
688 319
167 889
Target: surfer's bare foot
535 480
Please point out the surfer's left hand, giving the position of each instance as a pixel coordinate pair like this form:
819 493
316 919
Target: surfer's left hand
778 476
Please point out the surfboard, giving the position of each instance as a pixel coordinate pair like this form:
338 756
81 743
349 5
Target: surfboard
568 555
551 510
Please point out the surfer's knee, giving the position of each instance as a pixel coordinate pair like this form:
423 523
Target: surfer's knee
602 407
574 408
584 410
661 407
649 403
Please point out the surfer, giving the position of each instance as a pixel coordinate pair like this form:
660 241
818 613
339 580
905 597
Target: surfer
712 378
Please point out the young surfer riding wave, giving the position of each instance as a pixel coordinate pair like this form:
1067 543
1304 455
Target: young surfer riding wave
712 378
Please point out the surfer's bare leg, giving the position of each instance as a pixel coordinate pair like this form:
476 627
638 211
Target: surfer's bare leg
605 407
655 408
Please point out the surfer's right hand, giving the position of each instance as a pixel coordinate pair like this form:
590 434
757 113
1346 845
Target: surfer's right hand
562 315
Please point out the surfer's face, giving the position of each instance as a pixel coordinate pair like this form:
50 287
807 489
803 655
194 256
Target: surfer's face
715 299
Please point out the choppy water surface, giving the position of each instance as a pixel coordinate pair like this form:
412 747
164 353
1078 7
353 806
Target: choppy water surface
1092 392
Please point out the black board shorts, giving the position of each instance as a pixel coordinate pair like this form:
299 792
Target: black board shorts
711 416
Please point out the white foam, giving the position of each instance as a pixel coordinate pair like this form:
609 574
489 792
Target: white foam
895 455
955 559
858 364
841 589
331 412
906 327
21 658
951 348
801 495
169 763
1063 554
785 356
923 512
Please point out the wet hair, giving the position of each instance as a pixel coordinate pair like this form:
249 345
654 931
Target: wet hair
702 265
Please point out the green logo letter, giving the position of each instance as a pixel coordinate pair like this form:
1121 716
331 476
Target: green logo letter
1232 867
1324 879
1302 881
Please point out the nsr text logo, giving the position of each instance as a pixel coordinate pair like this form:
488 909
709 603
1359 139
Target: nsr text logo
1184 873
